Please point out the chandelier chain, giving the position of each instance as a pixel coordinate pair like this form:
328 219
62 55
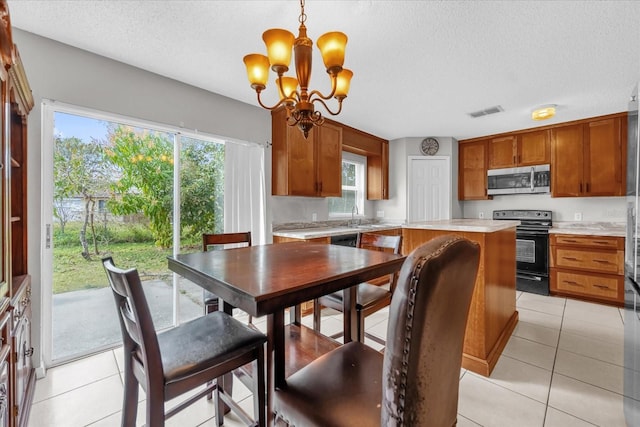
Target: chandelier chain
303 16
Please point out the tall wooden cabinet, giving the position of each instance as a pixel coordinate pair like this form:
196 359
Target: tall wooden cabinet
17 376
589 158
472 170
305 167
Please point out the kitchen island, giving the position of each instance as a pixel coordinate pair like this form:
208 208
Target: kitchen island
492 315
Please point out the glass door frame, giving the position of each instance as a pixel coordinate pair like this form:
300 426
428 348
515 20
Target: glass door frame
49 108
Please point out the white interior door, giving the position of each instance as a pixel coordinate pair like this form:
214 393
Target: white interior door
429 191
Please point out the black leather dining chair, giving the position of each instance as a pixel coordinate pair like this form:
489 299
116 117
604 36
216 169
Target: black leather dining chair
415 382
194 354
370 297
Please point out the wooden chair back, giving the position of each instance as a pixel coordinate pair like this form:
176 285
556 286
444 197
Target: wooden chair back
224 239
138 332
381 242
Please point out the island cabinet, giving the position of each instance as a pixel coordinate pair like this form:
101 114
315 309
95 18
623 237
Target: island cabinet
589 158
472 170
492 315
17 376
305 166
522 149
587 267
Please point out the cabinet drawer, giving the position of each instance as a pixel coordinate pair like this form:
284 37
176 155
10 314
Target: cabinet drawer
591 285
592 260
605 242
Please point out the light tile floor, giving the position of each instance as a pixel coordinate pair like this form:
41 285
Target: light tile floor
562 367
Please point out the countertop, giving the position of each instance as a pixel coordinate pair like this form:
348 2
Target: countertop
473 225
311 233
613 229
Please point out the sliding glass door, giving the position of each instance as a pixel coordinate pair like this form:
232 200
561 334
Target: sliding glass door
130 190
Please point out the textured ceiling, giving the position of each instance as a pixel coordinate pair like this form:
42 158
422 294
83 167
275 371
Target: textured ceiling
419 66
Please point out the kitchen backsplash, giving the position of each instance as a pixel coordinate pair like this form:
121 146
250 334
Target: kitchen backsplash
607 209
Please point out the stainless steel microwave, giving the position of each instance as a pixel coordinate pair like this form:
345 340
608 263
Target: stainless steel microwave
522 180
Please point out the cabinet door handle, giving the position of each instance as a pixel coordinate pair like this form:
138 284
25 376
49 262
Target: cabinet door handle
569 282
602 261
570 258
514 159
570 241
600 242
601 286
587 187
581 187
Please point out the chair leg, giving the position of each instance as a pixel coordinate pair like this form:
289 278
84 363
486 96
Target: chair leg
316 315
259 389
360 325
218 403
130 400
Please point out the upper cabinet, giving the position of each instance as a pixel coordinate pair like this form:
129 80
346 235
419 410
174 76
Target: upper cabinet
589 158
376 150
313 167
524 149
306 167
472 170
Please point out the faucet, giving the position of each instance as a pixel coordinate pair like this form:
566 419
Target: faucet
354 212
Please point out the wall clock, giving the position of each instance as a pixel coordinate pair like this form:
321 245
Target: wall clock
429 146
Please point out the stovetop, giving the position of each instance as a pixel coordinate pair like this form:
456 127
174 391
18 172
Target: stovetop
526 217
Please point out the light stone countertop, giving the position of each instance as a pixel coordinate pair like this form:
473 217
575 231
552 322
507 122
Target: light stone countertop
613 229
312 233
473 225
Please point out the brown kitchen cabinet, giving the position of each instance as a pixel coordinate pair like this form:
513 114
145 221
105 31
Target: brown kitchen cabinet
523 149
587 267
589 158
472 170
305 166
376 150
492 314
17 375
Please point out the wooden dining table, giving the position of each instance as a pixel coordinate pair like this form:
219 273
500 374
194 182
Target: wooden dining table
268 279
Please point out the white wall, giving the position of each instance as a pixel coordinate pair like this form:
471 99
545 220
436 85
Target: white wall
395 209
63 73
593 209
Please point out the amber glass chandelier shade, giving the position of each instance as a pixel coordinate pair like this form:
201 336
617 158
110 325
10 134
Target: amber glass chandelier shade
332 46
343 83
289 84
257 70
279 45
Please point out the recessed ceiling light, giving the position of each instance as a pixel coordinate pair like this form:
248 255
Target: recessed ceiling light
544 112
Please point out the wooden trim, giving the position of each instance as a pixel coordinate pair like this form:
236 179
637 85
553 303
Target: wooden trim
485 366
553 126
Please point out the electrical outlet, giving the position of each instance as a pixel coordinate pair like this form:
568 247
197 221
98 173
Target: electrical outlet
481 215
314 217
577 216
380 214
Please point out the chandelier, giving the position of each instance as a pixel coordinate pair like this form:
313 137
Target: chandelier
294 91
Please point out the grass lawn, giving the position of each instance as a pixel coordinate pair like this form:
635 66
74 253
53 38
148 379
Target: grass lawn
72 272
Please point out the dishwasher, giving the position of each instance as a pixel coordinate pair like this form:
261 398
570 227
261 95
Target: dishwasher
345 240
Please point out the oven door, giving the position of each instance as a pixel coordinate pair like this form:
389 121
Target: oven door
532 261
532 252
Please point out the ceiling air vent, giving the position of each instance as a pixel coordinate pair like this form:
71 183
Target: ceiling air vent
486 111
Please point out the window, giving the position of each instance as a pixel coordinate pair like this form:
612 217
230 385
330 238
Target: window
353 186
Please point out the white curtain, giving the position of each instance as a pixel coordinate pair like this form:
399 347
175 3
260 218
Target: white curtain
245 191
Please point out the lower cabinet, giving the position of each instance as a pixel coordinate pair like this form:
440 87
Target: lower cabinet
587 267
22 372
